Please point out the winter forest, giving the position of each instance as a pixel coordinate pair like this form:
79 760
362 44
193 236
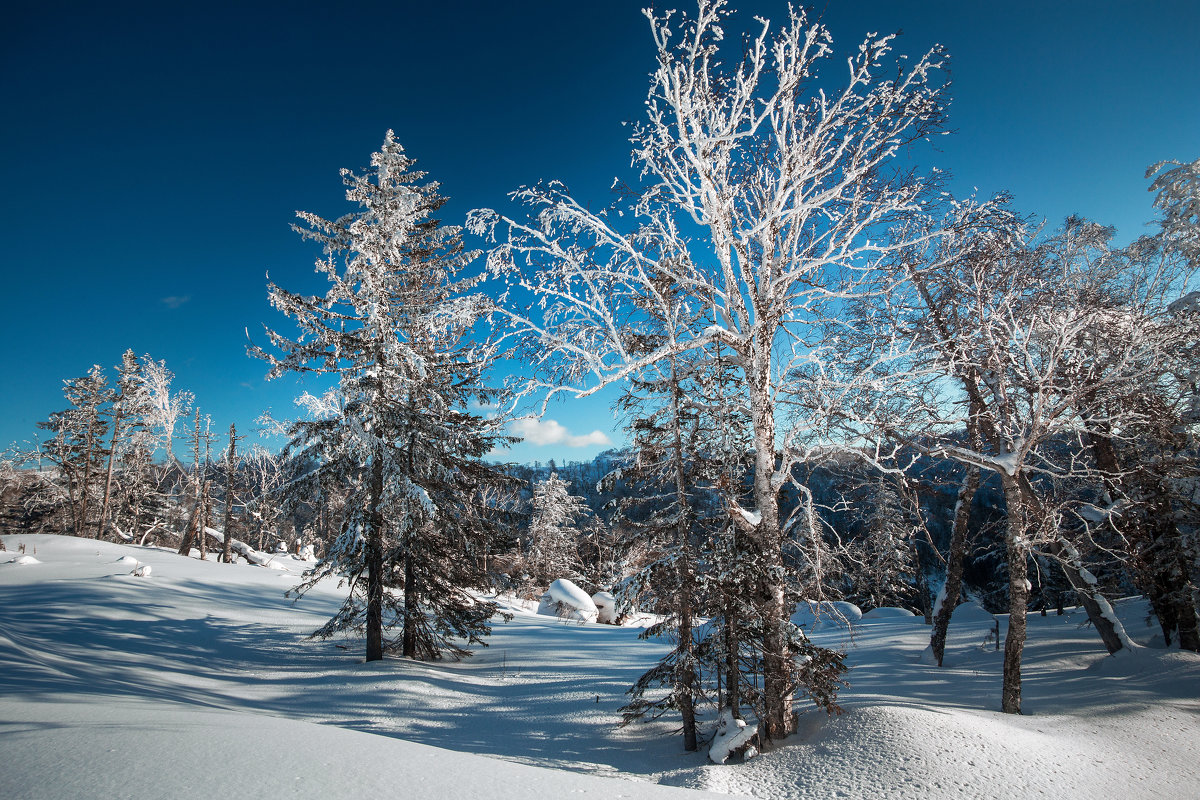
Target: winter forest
908 502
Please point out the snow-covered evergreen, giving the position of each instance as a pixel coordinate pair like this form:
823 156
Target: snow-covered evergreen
395 330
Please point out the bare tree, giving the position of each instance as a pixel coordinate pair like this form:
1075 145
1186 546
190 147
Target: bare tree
1012 337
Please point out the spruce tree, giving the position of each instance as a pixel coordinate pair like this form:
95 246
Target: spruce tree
77 443
394 329
554 531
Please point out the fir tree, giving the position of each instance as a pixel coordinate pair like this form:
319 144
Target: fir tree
77 443
394 330
554 531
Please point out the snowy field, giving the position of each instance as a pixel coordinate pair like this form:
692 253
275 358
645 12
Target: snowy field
197 681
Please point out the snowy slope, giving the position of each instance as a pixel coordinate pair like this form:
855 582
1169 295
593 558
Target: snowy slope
114 685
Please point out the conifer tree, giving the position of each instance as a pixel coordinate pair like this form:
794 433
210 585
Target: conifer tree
554 531
77 443
394 330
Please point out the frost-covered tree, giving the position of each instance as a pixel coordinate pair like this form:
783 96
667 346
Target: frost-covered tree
76 443
664 468
1177 195
126 414
394 329
879 563
1016 337
763 190
264 478
554 531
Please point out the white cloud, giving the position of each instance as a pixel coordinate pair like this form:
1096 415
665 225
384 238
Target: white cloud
547 431
175 301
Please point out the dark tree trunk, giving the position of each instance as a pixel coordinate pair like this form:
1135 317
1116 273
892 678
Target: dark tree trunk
686 679
733 665
1161 560
374 562
412 602
954 564
189 531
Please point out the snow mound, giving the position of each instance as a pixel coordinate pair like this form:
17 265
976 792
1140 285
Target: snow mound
921 753
565 599
887 612
606 607
972 614
732 735
23 560
813 615
130 560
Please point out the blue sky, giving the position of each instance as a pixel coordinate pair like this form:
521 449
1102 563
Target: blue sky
154 154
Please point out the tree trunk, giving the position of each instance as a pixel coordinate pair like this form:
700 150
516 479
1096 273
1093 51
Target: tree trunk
733 665
189 531
1099 612
202 527
226 548
779 719
1018 594
112 457
374 561
411 606
686 679
954 564
90 443
1157 538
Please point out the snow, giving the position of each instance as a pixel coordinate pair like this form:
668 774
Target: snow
812 615
731 734
754 518
886 612
565 599
201 681
606 607
23 560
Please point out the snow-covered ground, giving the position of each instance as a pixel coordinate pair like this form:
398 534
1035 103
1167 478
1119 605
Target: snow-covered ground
197 680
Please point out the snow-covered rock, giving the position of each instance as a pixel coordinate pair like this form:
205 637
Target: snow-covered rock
308 553
128 561
732 735
24 560
565 599
143 571
606 607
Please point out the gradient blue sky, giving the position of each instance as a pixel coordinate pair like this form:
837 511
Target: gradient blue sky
154 155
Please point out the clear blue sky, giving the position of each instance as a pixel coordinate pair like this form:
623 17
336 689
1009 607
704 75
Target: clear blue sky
154 155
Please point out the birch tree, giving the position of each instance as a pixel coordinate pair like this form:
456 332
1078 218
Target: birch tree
1013 336
760 196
